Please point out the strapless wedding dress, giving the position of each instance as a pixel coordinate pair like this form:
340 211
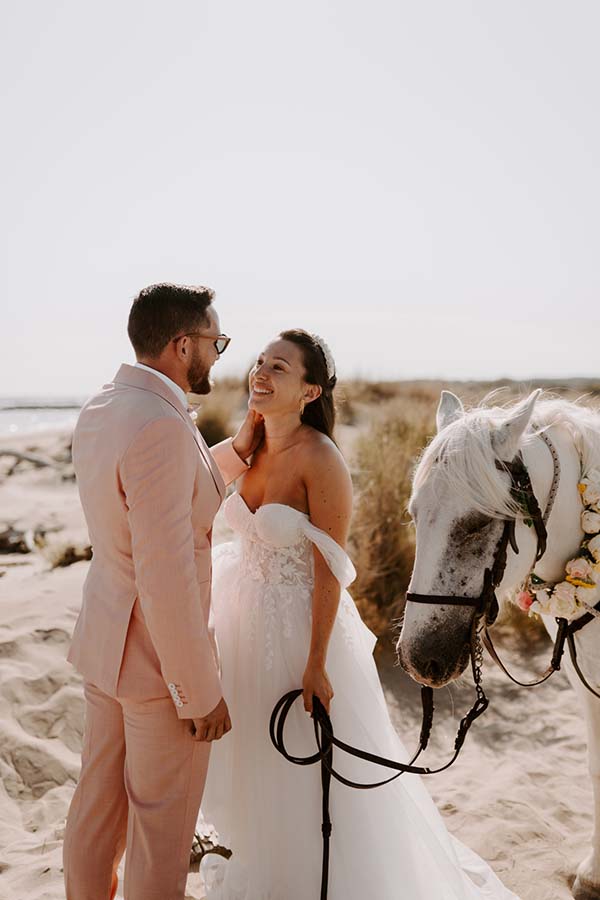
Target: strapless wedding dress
388 843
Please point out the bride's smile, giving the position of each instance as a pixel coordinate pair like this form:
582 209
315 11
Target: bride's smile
276 381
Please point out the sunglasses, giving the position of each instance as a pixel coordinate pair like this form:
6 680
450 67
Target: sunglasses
220 341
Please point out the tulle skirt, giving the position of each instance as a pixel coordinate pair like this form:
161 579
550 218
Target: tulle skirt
387 843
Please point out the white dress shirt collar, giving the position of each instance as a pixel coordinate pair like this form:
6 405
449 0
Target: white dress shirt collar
179 393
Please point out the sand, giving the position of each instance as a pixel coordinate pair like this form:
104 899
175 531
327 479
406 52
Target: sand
519 794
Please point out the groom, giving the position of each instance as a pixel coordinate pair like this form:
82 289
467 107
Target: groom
150 489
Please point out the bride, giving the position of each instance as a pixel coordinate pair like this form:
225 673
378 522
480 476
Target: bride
283 619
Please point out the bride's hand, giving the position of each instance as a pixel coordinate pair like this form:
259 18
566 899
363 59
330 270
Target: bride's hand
249 435
316 682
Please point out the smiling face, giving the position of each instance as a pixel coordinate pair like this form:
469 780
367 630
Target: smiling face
276 381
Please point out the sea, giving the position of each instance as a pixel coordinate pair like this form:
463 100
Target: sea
33 415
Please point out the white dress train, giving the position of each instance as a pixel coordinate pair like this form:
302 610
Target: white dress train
388 843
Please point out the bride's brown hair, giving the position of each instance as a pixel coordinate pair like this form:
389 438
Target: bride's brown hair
320 413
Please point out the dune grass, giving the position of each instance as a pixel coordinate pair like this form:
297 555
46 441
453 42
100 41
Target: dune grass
382 538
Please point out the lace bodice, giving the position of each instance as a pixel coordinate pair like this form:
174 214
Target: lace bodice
276 545
273 562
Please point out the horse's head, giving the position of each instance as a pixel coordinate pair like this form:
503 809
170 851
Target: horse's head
459 503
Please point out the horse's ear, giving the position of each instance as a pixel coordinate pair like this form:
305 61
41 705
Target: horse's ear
450 408
506 438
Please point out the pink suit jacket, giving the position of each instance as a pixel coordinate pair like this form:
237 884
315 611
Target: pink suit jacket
150 489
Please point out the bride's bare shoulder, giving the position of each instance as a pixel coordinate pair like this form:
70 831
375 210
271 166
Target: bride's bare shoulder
321 456
315 443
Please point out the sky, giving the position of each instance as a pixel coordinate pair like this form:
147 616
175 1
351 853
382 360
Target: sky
418 182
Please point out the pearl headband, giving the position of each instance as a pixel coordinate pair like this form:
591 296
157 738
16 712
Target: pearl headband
329 362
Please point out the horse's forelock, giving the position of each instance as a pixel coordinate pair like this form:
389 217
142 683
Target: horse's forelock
462 458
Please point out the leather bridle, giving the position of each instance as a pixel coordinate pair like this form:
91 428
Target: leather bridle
486 605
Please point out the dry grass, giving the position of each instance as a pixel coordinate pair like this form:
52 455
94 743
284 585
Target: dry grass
382 538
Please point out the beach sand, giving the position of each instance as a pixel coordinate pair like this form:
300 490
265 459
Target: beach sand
519 795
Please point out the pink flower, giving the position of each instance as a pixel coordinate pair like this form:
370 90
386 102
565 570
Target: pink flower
524 600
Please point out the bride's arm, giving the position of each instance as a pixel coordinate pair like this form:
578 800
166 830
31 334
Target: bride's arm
329 492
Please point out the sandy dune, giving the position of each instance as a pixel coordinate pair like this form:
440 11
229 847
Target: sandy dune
519 794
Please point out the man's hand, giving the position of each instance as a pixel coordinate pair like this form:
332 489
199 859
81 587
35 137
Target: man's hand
249 435
213 726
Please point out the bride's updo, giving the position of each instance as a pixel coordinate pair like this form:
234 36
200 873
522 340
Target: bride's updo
319 369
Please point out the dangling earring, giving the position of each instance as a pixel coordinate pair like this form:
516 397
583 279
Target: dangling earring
302 405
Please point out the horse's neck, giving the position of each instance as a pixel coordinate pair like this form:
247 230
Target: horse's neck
564 524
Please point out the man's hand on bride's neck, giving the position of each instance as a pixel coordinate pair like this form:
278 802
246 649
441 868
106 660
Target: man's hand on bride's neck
249 436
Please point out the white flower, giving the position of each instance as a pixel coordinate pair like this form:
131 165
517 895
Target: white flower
564 600
590 522
580 569
591 495
592 476
594 547
588 595
541 603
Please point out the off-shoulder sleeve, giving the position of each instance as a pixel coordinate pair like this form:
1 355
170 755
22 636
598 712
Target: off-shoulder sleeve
335 556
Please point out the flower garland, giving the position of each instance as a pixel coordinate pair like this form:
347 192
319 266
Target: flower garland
581 588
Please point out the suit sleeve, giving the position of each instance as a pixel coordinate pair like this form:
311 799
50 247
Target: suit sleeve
230 464
158 474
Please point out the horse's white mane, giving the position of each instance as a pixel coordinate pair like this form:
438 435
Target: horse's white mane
462 455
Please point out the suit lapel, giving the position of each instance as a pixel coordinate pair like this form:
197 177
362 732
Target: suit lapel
207 456
139 378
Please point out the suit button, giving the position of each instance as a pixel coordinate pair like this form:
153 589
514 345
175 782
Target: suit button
178 702
171 687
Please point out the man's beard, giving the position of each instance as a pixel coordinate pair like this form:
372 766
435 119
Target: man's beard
199 377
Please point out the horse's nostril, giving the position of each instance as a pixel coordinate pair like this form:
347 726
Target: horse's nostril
433 669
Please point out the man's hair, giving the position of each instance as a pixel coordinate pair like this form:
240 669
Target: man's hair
161 312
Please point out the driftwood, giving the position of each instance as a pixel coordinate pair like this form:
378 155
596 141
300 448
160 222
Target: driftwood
14 541
38 461
60 555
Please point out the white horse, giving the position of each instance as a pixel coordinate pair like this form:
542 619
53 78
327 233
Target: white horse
459 503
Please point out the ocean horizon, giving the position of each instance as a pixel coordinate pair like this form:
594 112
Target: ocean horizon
32 415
